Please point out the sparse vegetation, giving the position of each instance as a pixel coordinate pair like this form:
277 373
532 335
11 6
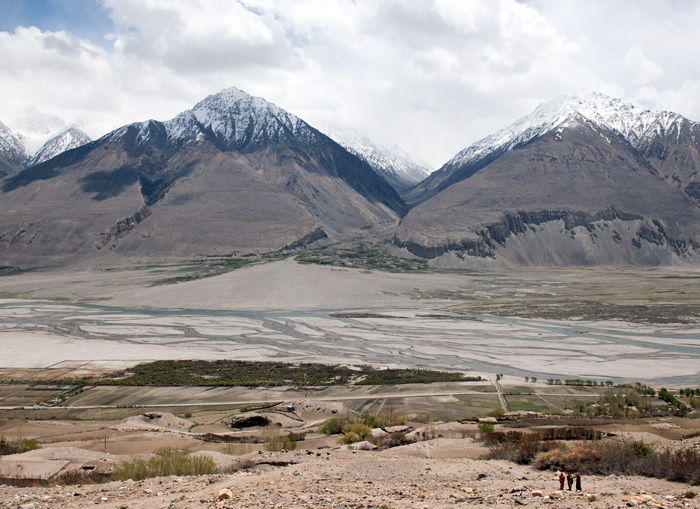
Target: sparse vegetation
671 399
593 310
255 374
204 270
275 440
165 462
16 447
355 433
486 428
544 450
361 256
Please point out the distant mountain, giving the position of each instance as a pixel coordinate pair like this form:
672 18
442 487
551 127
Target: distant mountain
69 138
234 175
12 153
582 181
397 167
35 128
36 137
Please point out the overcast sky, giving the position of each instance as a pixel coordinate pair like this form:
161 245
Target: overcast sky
434 76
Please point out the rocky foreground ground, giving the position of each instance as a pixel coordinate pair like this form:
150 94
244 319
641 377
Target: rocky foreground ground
340 478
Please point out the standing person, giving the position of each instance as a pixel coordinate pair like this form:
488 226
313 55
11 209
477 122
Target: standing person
570 480
561 480
578 482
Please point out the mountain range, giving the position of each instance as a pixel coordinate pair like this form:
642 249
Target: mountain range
582 181
234 175
36 137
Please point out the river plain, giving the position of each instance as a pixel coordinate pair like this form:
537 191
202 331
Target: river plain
477 322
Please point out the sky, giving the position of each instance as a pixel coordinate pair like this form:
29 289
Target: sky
432 76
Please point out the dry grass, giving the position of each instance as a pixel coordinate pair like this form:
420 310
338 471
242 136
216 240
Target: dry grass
165 462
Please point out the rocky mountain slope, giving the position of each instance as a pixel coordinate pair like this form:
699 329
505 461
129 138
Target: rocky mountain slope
581 181
12 153
233 175
394 164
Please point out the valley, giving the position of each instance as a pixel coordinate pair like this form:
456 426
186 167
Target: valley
618 324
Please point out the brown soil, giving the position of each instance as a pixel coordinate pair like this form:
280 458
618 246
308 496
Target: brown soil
341 478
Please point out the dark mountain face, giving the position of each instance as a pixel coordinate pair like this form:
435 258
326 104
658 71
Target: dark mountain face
675 153
579 195
234 175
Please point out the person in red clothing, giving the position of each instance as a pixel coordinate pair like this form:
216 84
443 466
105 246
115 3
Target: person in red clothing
561 480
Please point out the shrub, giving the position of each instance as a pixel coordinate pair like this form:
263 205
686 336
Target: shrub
632 458
355 432
335 425
394 440
165 462
497 413
373 420
350 437
396 419
275 441
485 428
518 447
17 447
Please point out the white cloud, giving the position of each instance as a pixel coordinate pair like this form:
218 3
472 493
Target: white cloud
433 75
645 70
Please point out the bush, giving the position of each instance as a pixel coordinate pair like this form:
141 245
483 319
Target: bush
394 440
631 458
497 413
518 447
17 447
485 428
355 433
165 462
373 420
335 425
396 419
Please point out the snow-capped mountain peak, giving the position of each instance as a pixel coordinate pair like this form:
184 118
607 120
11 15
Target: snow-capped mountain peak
388 160
633 122
67 139
237 120
11 146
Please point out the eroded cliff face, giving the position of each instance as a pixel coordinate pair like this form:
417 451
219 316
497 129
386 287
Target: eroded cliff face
562 238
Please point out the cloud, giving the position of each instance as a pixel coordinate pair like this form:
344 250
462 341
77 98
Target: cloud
431 75
644 69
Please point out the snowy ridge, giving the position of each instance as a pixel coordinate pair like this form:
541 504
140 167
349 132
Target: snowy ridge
634 123
11 147
69 138
37 137
389 161
237 120
34 128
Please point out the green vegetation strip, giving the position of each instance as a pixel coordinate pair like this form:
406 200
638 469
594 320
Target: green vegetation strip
584 310
361 257
255 374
